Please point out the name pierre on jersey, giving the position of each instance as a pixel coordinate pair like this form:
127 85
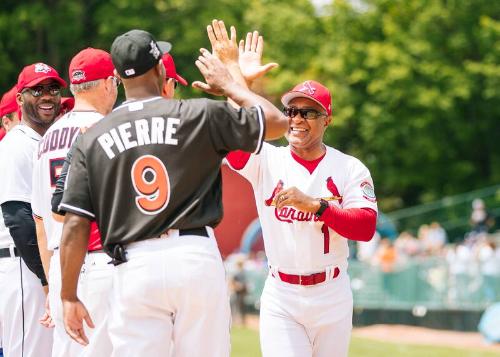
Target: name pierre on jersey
160 131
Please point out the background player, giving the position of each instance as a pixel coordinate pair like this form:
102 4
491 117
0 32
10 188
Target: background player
310 198
95 91
9 119
8 112
174 152
23 298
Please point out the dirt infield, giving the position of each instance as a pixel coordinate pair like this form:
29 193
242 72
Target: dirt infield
425 336
413 335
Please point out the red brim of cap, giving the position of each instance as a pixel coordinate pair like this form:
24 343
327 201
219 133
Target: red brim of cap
36 81
287 97
181 80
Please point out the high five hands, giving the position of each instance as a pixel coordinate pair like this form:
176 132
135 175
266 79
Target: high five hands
247 55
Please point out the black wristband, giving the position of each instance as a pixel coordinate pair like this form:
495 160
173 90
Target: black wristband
323 205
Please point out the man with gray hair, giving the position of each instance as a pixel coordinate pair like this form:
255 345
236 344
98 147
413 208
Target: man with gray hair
95 89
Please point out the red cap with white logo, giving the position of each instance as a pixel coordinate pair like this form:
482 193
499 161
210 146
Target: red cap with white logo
90 64
8 104
35 73
170 70
312 90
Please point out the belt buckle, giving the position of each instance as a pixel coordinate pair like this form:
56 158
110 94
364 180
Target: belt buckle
300 279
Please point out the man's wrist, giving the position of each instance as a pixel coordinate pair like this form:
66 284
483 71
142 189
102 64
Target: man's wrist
67 296
323 205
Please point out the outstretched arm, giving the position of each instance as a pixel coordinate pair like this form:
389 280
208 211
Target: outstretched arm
220 82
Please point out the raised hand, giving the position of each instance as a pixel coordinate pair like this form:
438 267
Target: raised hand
216 75
224 47
250 57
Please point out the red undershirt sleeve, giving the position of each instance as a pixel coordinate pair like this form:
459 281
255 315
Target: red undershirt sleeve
352 223
238 159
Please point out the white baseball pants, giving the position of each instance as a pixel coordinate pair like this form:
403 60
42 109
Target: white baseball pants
306 321
171 299
94 288
22 304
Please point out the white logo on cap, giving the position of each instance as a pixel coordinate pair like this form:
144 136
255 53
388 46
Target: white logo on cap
78 75
155 51
42 68
308 87
130 72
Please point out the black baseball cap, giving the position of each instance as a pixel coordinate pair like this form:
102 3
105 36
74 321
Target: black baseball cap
136 52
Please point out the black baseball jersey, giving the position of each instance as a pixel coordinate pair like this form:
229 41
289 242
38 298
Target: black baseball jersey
153 165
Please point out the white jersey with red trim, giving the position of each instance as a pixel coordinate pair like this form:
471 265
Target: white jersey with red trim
295 241
48 161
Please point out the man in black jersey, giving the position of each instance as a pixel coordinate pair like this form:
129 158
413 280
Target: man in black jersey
150 176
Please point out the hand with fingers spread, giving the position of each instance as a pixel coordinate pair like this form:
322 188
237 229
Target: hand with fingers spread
250 57
74 314
216 75
224 47
294 197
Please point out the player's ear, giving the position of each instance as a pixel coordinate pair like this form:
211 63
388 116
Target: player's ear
328 120
19 99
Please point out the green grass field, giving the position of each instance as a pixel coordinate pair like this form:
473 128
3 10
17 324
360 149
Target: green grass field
245 343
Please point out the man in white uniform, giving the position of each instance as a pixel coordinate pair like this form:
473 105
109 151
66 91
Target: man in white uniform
95 91
310 198
22 300
8 115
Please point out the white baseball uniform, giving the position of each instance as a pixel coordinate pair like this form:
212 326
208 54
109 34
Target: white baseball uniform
314 319
22 301
95 280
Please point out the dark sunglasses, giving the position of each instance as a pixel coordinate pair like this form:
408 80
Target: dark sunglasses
309 114
37 91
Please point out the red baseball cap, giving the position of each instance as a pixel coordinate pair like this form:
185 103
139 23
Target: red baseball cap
312 90
170 70
90 64
8 104
35 73
67 104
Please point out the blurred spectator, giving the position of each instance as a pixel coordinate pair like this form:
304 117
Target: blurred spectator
489 258
239 288
434 239
407 244
386 256
366 250
463 271
480 219
422 233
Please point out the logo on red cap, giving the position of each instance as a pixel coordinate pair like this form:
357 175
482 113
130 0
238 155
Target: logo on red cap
312 90
308 87
42 68
77 76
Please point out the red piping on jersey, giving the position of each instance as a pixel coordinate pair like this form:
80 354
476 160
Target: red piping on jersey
310 165
94 238
238 159
352 223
